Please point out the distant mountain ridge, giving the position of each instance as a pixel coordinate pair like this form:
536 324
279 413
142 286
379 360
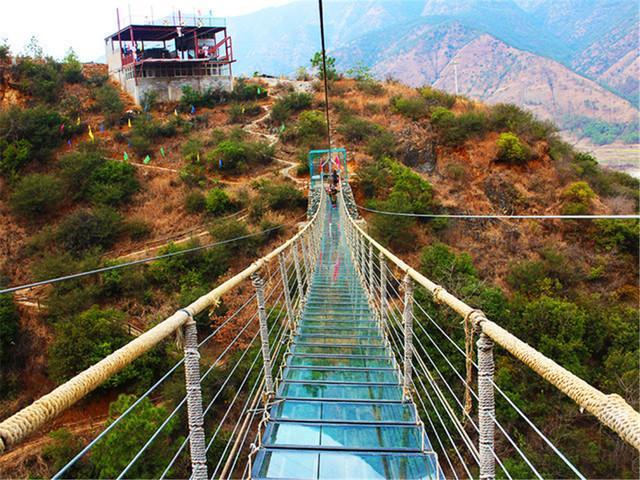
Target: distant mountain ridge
415 41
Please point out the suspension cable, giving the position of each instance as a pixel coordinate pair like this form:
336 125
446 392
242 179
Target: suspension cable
501 217
325 75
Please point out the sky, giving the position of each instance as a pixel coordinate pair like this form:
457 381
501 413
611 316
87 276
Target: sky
83 24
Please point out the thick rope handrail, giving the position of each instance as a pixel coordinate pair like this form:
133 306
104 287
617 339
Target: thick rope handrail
19 425
610 409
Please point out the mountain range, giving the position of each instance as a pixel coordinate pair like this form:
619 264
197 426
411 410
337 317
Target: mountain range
573 61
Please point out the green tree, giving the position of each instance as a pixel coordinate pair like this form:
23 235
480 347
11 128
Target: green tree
578 197
72 68
86 229
113 453
63 447
316 63
36 195
217 201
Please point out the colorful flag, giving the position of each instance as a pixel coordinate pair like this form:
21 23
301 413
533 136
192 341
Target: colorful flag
162 151
126 157
78 121
91 134
61 129
175 112
129 122
102 127
69 142
193 109
146 160
220 164
259 91
198 157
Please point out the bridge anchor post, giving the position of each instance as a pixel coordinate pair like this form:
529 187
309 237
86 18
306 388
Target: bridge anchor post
258 284
486 407
407 317
195 416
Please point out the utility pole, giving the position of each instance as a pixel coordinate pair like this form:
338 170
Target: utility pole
455 76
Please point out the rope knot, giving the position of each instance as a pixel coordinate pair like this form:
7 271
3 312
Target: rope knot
436 293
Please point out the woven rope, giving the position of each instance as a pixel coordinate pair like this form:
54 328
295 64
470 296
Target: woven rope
486 407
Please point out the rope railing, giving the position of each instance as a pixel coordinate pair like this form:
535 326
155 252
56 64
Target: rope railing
611 410
301 248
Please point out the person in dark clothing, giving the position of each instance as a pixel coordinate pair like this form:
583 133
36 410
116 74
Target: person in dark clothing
335 177
333 195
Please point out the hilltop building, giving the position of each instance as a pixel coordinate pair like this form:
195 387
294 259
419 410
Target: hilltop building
166 54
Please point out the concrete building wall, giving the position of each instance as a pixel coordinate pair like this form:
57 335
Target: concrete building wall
170 89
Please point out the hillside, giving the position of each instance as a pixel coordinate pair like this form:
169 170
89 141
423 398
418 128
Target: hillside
234 165
413 41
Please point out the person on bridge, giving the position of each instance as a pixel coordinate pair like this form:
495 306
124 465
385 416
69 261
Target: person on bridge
335 178
333 194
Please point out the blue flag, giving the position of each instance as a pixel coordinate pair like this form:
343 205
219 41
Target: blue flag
193 109
220 163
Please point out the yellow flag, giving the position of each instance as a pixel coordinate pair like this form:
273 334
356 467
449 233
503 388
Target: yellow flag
91 134
198 156
175 112
78 121
129 122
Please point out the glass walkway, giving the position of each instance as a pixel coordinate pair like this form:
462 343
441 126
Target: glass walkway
339 411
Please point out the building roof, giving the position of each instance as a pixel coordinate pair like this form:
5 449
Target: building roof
158 33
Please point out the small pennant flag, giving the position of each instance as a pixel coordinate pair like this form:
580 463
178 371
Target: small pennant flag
102 127
129 122
162 151
69 142
126 157
259 90
146 160
220 164
198 157
91 134
282 128
61 129
243 110
193 109
78 121
175 112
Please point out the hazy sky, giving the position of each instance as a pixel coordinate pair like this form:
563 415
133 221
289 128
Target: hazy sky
83 24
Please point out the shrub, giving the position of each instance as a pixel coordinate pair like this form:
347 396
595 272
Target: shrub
392 230
192 150
87 229
195 202
90 177
511 149
240 111
381 145
36 195
137 229
208 98
279 196
414 108
227 229
5 51
243 91
455 171
63 447
579 196
86 339
146 129
441 264
72 68
9 328
437 98
113 453
357 129
39 79
237 155
370 87
30 134
110 104
310 128
285 106
511 118
622 234
455 130
149 100
217 201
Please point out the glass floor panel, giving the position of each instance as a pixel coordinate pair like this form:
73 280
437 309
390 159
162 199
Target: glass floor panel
343 392
345 412
325 339
379 437
340 324
305 465
360 332
337 350
340 362
357 376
